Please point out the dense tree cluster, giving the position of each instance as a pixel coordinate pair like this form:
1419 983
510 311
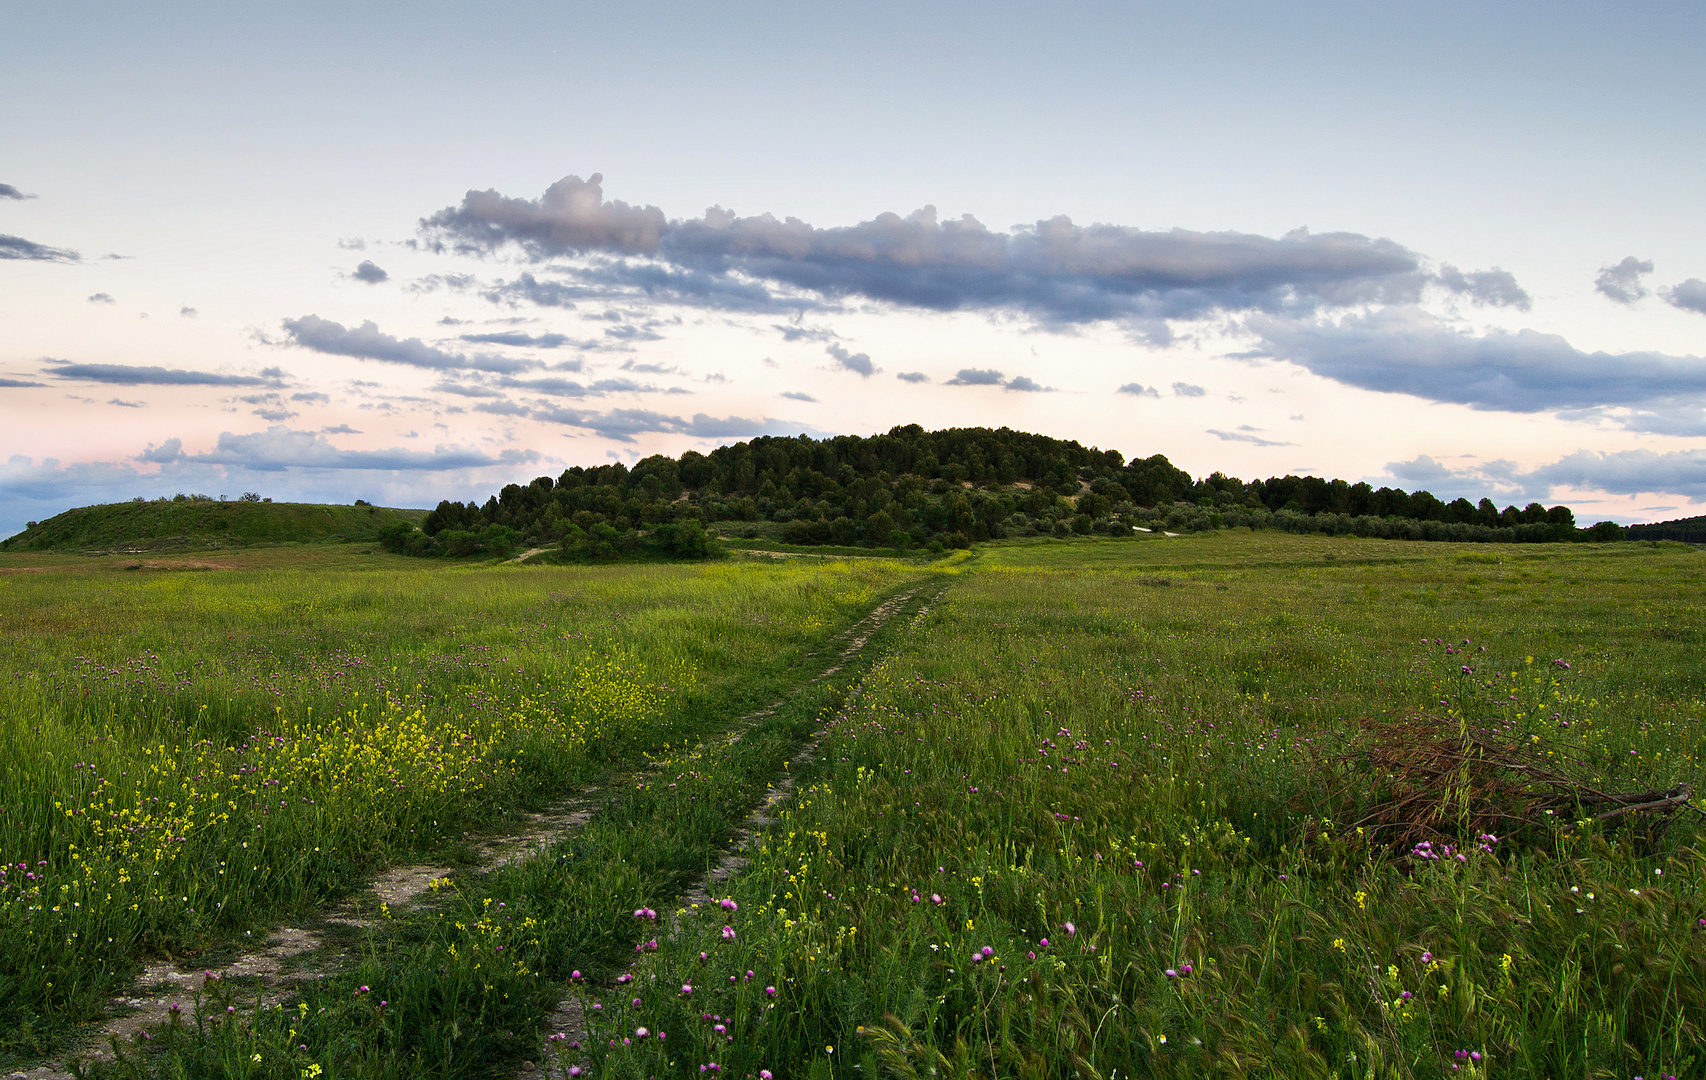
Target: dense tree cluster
912 487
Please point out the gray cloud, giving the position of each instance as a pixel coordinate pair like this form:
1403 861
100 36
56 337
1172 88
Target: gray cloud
569 388
7 191
1495 287
797 332
127 375
1404 350
311 397
1244 434
1028 385
16 247
622 425
167 452
279 448
1055 271
19 383
536 341
976 377
795 395
102 298
341 429
127 404
370 273
913 377
1688 295
368 343
1622 282
1184 389
852 361
1624 472
1138 390
188 312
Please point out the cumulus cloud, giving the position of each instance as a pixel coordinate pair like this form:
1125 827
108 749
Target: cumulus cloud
367 342
127 404
129 375
1055 271
369 272
7 191
1495 287
1185 389
859 363
1688 295
166 453
913 377
795 395
1404 350
800 332
976 377
1028 385
188 312
20 384
16 247
1622 282
311 397
1138 390
102 298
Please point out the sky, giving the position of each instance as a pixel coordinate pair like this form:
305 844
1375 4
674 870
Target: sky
412 252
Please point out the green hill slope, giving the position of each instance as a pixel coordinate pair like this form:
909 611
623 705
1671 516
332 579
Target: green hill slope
177 525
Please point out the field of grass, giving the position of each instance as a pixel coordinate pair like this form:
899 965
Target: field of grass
1094 813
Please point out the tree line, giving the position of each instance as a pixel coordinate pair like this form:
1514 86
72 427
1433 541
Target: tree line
913 488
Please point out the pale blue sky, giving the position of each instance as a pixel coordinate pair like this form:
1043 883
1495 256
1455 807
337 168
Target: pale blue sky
227 151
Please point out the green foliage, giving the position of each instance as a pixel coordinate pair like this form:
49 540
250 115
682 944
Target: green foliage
911 487
197 523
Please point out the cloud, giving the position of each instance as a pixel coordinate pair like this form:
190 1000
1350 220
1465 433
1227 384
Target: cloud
1138 390
368 343
279 448
795 395
797 332
1028 385
1622 282
569 388
913 377
536 341
369 272
340 429
1404 350
1619 473
102 298
311 397
127 404
19 383
855 362
622 425
1185 389
164 454
1495 287
7 191
188 312
976 377
16 247
353 243
127 375
1055 271
1243 434
1689 295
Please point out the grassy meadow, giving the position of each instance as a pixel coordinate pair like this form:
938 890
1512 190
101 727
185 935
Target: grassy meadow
1103 808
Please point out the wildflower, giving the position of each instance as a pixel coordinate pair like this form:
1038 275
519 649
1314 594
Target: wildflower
730 905
686 989
1069 928
728 933
1171 974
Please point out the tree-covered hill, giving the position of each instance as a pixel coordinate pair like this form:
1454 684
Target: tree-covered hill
911 487
196 521
1688 530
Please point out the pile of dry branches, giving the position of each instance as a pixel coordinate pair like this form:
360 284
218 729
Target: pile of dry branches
1412 783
